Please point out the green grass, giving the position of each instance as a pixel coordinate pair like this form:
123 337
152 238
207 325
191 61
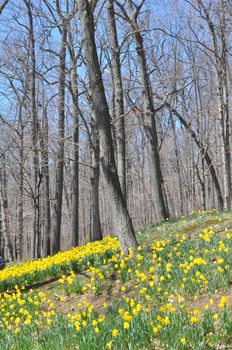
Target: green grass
175 295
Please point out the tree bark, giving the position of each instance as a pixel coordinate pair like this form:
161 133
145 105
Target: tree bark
220 55
178 167
4 212
57 216
118 99
125 229
46 244
19 239
36 237
224 109
96 230
75 240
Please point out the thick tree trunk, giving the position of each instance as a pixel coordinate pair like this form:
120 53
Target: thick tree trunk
57 216
125 229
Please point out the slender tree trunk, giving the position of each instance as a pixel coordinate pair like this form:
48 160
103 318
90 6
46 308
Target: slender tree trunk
204 151
75 177
19 239
57 216
96 231
149 121
4 212
2 241
178 168
2 228
46 186
225 132
118 99
101 111
74 241
224 109
200 130
35 138
220 55
202 185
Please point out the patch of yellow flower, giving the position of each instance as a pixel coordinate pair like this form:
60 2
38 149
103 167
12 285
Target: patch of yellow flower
108 244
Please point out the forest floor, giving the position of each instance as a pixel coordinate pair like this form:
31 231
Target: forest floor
176 294
189 225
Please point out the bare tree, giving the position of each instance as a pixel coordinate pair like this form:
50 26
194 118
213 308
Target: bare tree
46 244
75 170
4 208
149 110
57 215
118 98
101 110
36 238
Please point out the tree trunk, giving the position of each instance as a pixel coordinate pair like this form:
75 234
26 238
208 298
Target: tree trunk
57 216
220 55
224 108
74 241
4 212
149 121
96 231
46 186
125 229
203 151
178 168
75 177
118 99
35 130
19 239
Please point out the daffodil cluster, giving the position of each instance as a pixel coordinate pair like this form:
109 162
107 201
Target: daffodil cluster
37 270
172 294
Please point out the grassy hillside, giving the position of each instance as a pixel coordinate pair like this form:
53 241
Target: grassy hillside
174 294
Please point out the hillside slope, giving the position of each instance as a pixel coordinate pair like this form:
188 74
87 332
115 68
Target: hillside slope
175 294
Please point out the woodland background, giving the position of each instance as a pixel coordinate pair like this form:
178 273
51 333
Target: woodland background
166 70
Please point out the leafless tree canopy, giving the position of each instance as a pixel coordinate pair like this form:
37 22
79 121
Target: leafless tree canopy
115 115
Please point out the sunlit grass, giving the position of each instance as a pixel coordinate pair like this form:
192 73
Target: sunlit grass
174 294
